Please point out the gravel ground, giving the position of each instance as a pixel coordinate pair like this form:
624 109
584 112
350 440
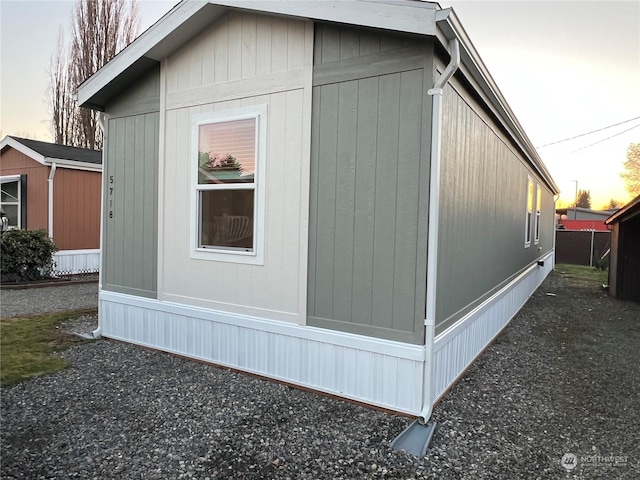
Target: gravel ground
562 378
33 301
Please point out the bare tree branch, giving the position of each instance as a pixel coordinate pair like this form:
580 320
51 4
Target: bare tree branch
99 30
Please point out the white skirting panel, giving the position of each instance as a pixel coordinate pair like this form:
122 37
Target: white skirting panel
378 372
457 347
73 262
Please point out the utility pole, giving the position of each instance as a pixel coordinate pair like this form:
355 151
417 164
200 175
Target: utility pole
575 205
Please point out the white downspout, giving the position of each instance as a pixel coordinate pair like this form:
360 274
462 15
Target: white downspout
97 333
555 226
434 208
52 174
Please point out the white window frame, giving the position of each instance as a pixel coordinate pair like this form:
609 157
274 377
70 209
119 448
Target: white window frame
528 226
256 256
538 207
14 179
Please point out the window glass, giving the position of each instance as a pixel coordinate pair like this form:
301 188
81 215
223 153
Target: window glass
538 210
11 211
10 201
527 228
10 192
227 219
228 198
227 152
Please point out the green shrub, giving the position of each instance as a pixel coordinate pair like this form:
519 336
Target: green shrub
601 262
26 255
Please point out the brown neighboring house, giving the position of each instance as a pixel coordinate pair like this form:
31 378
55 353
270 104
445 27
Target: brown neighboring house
624 266
56 188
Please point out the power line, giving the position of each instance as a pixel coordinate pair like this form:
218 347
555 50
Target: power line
600 141
589 133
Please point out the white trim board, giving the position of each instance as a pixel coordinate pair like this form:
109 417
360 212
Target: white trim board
378 372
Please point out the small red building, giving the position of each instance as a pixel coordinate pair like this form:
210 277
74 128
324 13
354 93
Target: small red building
56 188
597 225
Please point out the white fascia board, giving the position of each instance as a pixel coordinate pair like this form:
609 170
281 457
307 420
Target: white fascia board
471 64
142 46
398 15
11 142
73 164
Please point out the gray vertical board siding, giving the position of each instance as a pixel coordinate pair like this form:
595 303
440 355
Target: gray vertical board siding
345 198
130 235
367 226
364 201
334 43
482 209
326 209
384 221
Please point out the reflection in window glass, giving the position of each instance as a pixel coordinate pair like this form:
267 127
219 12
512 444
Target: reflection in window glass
10 202
527 228
227 152
226 219
538 209
226 188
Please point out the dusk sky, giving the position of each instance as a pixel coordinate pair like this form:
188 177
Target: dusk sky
565 68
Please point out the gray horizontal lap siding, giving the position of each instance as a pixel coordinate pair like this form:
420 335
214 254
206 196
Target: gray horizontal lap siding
369 183
129 261
482 209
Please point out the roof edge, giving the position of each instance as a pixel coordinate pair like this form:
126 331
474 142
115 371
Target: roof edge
14 143
451 27
189 17
623 211
9 141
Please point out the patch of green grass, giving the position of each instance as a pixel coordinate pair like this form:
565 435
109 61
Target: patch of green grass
27 344
582 275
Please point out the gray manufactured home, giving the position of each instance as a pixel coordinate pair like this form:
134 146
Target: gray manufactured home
334 194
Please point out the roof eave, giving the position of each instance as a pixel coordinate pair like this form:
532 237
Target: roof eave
189 17
29 152
623 212
449 27
184 21
73 164
8 141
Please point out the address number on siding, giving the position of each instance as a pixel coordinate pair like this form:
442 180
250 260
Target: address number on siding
110 196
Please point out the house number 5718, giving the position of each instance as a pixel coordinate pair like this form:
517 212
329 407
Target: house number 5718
111 196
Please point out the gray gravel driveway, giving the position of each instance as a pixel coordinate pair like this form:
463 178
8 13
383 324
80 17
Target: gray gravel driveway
33 301
563 379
